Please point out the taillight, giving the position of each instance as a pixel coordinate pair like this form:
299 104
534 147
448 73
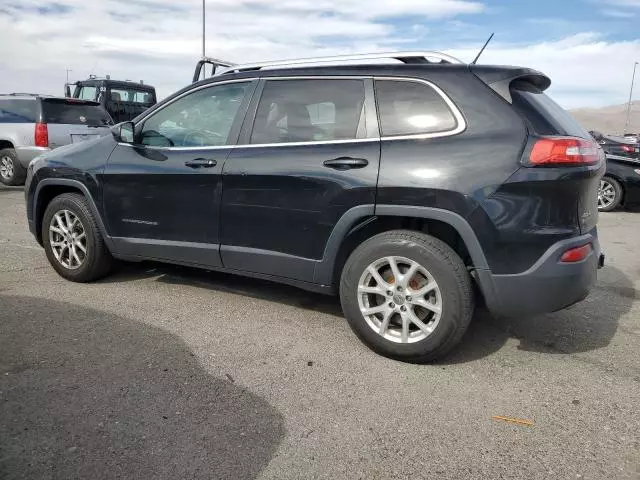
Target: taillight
42 135
565 150
627 148
576 254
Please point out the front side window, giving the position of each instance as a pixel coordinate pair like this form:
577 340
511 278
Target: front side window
200 119
309 110
412 108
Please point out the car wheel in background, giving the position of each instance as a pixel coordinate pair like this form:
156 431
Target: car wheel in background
11 171
72 240
609 194
407 295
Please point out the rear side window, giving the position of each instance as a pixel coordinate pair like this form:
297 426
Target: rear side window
74 113
18 111
544 115
130 96
309 110
412 108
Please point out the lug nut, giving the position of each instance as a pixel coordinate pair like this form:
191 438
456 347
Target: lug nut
409 298
399 288
390 293
392 305
403 308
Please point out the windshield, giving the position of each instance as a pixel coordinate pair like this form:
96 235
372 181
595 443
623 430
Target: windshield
74 113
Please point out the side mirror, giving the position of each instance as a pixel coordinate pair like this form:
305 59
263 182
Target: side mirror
67 91
124 132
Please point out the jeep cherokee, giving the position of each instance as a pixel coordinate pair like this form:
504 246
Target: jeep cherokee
409 188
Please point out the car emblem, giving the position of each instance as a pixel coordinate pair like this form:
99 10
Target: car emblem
83 119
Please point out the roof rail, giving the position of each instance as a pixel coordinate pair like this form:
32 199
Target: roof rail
23 94
403 57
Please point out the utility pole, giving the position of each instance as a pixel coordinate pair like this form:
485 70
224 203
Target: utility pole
633 77
68 70
203 27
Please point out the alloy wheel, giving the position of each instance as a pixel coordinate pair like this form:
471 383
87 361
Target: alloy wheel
399 299
606 194
6 167
68 239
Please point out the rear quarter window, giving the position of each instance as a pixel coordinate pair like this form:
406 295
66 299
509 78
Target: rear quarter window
544 115
18 111
66 112
412 108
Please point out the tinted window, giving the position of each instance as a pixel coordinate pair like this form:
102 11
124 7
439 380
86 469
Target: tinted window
18 111
544 115
409 108
130 96
309 110
202 118
86 92
74 113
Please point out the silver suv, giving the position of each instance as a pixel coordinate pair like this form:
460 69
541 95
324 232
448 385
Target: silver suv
34 124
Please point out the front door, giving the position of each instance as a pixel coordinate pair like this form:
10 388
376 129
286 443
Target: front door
309 153
162 193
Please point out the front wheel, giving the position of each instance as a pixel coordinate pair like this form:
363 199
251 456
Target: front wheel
609 194
72 240
407 295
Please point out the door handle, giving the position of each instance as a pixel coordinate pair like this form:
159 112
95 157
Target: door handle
346 163
201 163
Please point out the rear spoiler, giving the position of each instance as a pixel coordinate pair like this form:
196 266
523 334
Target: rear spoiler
499 79
70 100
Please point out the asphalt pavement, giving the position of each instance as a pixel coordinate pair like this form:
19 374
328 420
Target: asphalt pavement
166 372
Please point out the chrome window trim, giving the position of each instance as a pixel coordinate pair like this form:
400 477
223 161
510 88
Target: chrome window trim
461 123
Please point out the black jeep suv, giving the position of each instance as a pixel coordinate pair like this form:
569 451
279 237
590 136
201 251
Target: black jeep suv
409 188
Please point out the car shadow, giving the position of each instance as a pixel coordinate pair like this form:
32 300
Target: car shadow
588 325
225 282
87 394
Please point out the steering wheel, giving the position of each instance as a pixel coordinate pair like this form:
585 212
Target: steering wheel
195 138
199 138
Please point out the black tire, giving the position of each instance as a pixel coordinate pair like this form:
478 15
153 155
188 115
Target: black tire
442 263
619 192
18 172
98 261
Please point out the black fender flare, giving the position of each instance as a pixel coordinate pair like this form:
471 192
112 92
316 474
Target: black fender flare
323 273
66 182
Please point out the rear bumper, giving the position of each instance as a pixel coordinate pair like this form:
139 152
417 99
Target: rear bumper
548 285
26 154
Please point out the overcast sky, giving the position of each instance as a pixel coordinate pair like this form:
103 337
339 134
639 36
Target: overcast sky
587 47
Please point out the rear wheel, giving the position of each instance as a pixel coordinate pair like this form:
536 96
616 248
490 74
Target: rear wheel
609 194
11 170
72 240
407 295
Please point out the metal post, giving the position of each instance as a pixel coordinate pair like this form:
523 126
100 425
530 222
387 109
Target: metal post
68 70
633 77
203 28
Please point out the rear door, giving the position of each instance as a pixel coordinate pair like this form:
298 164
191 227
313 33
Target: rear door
308 153
73 121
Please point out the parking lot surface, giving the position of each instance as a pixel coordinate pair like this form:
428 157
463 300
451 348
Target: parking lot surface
167 372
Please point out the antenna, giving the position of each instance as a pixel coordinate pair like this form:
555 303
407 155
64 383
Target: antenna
203 27
482 49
